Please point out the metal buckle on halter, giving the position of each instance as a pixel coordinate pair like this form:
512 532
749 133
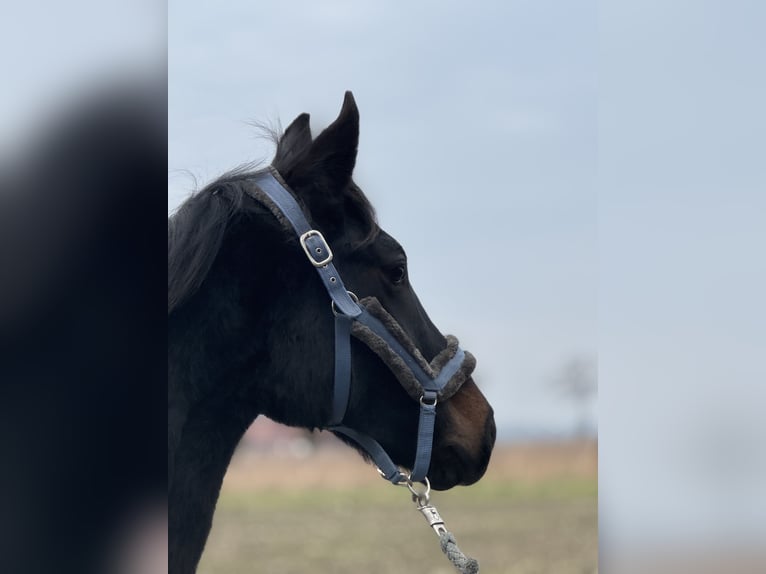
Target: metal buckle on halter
319 248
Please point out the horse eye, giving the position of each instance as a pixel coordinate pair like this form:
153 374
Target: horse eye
398 274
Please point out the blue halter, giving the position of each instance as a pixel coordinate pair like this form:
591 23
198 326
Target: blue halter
347 310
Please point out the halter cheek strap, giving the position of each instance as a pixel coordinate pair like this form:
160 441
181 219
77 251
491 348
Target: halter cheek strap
348 311
312 241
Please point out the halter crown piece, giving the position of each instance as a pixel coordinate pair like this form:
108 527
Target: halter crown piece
369 322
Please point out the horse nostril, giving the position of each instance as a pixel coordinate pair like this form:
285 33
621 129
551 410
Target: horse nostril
490 430
490 434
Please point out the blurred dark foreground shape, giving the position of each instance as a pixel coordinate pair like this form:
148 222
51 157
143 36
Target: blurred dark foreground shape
82 339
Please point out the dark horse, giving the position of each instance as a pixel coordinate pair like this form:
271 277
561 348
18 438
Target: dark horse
82 339
250 330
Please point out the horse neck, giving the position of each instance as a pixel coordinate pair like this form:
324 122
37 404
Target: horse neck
212 339
210 434
203 432
210 402
202 435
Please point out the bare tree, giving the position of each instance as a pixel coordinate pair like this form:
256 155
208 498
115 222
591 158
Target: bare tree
577 381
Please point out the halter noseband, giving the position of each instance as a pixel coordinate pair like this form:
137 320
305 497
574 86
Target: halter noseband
369 322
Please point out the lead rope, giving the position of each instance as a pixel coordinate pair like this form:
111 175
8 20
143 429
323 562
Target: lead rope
464 564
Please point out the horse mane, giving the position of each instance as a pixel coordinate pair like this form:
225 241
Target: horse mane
196 231
195 234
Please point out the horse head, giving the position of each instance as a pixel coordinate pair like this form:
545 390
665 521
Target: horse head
373 265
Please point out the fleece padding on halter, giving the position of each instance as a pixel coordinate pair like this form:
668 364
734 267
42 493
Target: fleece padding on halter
444 375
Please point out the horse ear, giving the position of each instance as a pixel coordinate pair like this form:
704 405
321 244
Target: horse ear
292 144
330 160
334 150
322 173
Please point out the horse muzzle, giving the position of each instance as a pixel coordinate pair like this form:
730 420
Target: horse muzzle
461 455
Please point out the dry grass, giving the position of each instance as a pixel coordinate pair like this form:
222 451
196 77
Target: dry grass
534 511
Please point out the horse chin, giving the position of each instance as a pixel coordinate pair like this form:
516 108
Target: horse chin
444 480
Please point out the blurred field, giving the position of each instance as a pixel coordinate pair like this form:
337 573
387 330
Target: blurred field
535 511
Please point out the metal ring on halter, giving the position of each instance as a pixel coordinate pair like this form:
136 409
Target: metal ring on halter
405 478
422 402
332 303
421 498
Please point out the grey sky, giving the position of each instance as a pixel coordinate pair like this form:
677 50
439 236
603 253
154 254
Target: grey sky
591 168
478 128
82 46
682 272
